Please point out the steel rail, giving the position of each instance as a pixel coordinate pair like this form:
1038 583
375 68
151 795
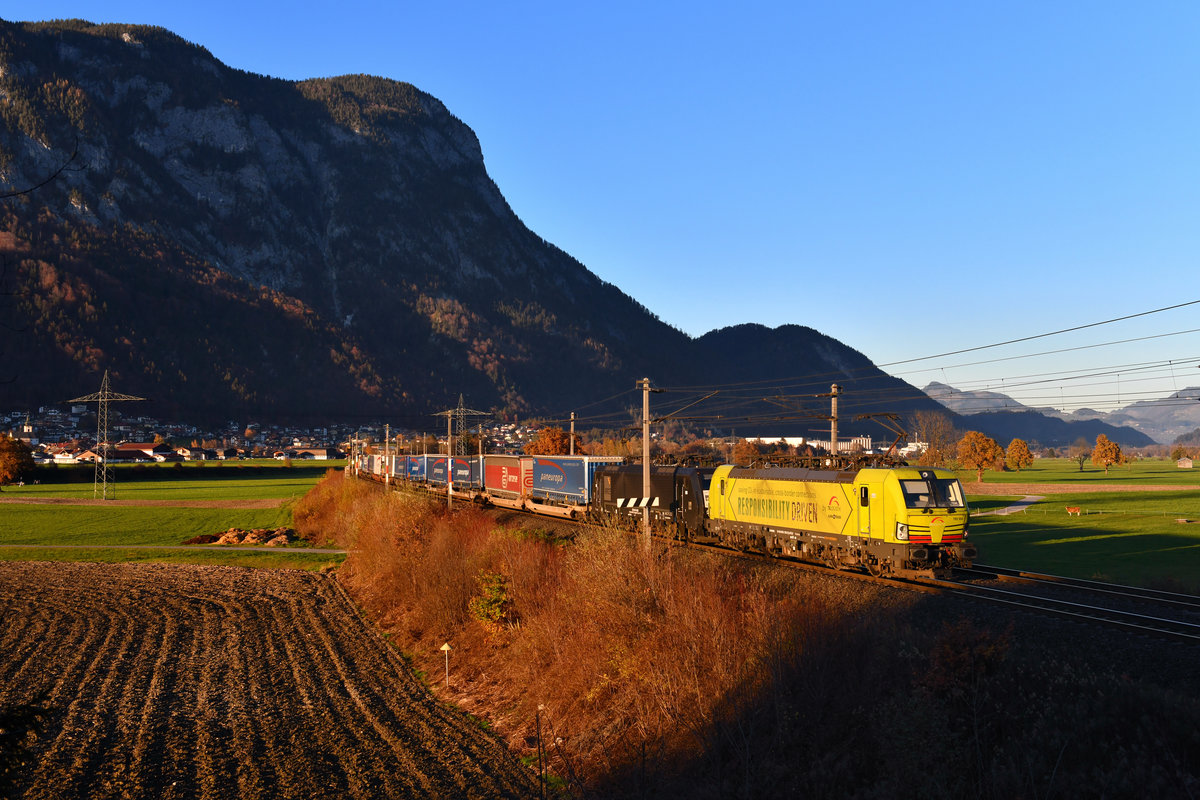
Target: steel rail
975 592
1098 587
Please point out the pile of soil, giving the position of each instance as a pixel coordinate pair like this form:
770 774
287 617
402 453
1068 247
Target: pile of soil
266 537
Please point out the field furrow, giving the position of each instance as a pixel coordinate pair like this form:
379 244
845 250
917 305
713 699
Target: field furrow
86 732
212 682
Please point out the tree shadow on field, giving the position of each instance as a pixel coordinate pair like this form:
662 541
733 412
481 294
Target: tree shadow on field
925 702
20 726
1101 553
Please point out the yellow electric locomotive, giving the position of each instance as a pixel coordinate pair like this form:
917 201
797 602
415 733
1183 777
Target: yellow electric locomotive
897 520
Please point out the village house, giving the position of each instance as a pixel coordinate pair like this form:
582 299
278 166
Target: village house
317 453
154 451
197 453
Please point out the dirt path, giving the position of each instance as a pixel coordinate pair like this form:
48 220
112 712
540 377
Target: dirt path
209 682
1022 504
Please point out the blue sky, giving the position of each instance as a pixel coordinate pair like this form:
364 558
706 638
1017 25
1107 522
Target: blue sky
909 178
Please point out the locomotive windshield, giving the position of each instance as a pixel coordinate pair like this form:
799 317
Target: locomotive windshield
933 493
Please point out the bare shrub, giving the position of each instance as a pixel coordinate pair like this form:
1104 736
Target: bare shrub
635 657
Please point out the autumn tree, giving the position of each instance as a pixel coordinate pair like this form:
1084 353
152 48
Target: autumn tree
1106 453
978 451
1080 452
549 442
935 429
16 460
745 452
697 448
1018 455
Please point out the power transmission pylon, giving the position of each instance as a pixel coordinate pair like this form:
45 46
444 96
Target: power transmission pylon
459 416
102 398
453 448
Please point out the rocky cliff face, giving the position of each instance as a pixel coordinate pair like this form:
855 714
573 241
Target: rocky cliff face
226 243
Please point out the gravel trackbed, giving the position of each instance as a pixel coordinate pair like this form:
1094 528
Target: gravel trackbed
219 682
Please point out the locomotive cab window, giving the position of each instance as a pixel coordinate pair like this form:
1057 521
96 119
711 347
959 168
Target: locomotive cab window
864 496
933 493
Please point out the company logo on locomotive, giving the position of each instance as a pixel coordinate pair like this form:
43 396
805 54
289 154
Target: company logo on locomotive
833 509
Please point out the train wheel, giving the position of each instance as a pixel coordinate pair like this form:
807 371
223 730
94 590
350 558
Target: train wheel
874 567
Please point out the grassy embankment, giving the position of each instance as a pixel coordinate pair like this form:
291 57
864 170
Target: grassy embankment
1129 537
674 673
63 531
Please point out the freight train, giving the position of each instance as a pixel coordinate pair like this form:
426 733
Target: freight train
902 521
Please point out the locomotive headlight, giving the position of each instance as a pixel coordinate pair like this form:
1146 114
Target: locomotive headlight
902 531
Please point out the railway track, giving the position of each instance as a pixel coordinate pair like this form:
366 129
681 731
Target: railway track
1099 587
1168 615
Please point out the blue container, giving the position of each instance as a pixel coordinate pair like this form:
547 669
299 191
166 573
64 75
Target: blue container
435 469
415 468
566 479
467 472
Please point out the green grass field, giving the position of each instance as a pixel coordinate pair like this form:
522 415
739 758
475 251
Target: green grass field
1126 537
97 532
1148 472
192 481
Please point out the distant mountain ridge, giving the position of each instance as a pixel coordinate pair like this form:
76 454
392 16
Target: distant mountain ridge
233 245
1159 420
967 403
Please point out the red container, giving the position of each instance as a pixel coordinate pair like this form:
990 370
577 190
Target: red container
508 476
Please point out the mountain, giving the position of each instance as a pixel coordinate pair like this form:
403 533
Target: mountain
1032 426
1164 419
231 241
961 402
1138 425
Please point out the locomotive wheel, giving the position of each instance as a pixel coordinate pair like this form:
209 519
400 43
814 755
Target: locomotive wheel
875 568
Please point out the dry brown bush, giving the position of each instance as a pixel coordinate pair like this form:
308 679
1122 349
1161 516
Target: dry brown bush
633 656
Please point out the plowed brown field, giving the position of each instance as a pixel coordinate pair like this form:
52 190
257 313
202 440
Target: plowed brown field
222 682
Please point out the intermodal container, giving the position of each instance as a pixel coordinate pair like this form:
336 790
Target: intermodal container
467 472
435 469
566 479
415 468
508 476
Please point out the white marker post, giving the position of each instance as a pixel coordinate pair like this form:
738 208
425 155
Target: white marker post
446 649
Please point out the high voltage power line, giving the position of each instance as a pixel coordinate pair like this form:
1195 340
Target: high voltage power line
1049 352
1042 335
732 399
